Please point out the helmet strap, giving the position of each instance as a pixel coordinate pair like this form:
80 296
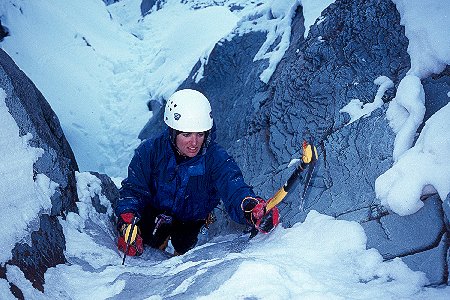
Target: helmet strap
173 136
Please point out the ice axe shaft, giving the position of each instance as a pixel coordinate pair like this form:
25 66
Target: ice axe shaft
133 225
284 190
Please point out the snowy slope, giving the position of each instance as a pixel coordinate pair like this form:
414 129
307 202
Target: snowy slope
97 76
287 264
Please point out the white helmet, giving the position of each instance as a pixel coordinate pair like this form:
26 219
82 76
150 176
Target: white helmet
188 111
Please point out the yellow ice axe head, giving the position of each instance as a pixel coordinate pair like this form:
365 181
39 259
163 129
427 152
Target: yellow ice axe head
132 238
309 153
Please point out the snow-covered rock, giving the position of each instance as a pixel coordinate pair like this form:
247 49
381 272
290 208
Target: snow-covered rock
346 51
34 116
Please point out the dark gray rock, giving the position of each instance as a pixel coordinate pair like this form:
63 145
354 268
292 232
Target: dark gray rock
108 2
350 160
263 126
3 31
232 84
48 244
356 42
34 115
109 190
436 88
420 239
148 5
446 207
155 125
434 262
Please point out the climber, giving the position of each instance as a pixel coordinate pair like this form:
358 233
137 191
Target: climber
176 179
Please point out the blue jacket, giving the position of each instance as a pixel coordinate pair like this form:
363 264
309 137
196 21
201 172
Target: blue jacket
188 191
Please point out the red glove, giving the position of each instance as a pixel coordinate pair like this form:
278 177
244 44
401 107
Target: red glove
136 246
256 214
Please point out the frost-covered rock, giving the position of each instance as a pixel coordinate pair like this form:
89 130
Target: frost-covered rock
231 83
34 117
341 60
108 189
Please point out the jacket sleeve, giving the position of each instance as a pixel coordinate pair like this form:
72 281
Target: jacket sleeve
135 191
230 183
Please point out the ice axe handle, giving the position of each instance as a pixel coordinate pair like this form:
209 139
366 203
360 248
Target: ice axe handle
133 224
284 190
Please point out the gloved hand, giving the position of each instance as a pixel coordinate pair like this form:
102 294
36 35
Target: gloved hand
309 153
256 214
136 245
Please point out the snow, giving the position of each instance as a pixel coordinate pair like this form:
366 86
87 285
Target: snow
68 57
289 257
100 95
424 165
16 276
405 113
357 109
287 264
312 10
78 244
98 66
274 18
426 27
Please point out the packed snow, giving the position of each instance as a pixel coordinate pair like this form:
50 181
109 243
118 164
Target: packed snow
287 264
424 168
98 67
426 27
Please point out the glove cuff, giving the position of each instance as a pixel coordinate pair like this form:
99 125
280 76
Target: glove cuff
127 217
248 203
253 208
124 218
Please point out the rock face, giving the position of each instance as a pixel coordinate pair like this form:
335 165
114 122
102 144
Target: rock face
34 115
109 190
147 5
263 125
3 31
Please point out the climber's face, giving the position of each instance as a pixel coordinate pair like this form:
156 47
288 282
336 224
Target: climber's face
190 143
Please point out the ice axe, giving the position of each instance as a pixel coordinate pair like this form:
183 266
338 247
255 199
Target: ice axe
130 234
264 212
309 158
